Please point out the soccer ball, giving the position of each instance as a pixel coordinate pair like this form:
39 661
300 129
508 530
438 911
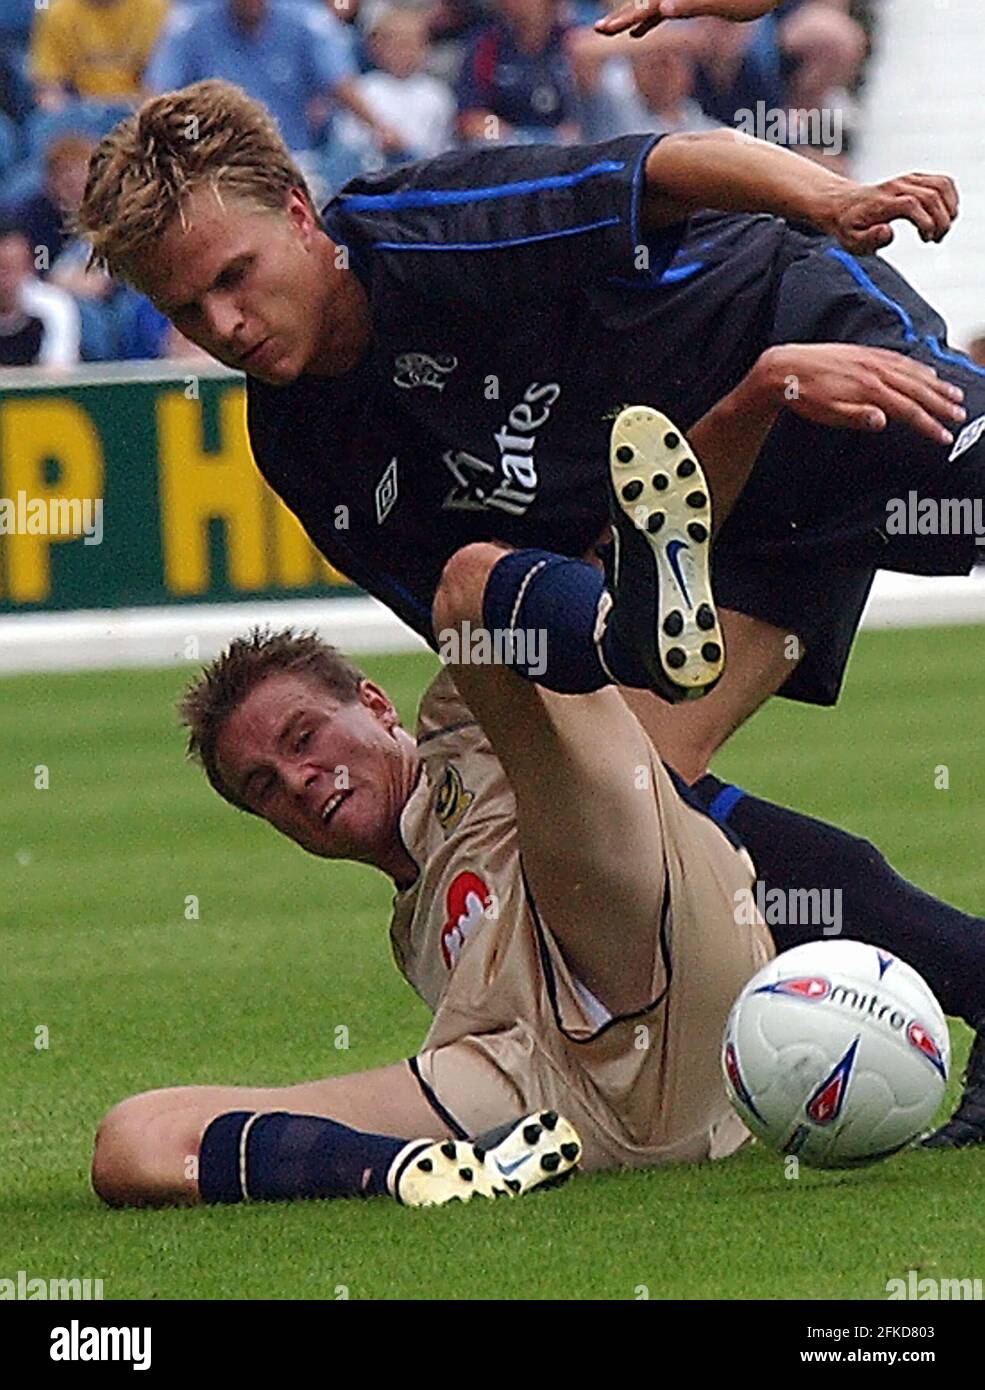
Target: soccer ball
836 1052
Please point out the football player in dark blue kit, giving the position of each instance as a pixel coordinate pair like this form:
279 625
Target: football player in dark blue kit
435 364
544 289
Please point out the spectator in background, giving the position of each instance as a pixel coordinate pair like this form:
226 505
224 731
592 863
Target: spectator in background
400 94
626 86
446 19
95 49
823 49
39 324
447 22
59 258
42 214
452 19
663 88
516 81
16 18
345 11
803 56
292 57
585 11
349 14
799 58
736 66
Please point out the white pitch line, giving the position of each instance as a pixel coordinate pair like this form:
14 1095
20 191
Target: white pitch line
113 639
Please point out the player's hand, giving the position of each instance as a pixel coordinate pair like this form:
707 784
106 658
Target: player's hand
847 386
640 16
858 215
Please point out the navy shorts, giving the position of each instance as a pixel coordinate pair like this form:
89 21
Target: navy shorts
819 514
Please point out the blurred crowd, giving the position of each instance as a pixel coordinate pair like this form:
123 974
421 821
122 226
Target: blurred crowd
357 86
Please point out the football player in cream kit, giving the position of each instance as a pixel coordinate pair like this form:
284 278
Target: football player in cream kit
573 924
565 912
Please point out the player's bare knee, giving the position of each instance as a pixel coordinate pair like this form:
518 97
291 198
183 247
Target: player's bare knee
128 1165
458 598
113 1171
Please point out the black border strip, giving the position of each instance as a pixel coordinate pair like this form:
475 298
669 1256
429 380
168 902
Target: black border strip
435 1103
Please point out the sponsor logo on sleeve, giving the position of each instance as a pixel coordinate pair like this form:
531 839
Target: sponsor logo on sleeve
453 799
466 904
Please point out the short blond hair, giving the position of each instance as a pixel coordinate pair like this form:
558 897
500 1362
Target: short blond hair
223 685
141 173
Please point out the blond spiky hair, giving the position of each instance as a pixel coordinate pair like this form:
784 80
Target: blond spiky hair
226 682
140 174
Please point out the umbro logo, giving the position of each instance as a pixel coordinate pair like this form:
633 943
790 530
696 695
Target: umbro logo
968 438
386 492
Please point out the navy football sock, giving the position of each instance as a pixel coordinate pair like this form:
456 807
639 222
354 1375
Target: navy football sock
792 851
272 1157
556 608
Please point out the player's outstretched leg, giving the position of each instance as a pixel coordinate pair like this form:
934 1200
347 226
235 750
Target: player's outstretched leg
277 1156
538 1151
659 575
144 1144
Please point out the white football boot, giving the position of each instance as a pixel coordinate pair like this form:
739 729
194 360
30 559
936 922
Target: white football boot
539 1151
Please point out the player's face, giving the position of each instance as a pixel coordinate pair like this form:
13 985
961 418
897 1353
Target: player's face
333 777
245 283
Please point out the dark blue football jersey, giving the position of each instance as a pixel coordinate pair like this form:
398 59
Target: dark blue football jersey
516 306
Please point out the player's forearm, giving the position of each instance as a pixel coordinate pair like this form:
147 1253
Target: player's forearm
732 172
729 437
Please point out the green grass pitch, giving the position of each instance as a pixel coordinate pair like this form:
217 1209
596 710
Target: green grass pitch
287 951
